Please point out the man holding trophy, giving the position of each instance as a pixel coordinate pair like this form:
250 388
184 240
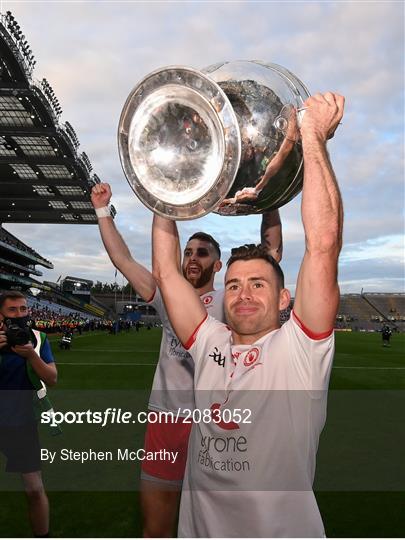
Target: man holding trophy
255 478
241 138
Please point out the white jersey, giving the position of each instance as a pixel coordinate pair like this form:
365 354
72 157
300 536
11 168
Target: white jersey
251 474
173 383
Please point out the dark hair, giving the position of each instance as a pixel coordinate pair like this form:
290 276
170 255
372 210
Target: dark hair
10 295
206 238
248 252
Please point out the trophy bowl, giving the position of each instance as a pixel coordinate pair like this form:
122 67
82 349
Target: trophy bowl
224 139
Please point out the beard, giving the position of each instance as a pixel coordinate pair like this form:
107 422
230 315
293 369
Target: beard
201 279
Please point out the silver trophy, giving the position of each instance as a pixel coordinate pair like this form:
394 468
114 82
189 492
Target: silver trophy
224 139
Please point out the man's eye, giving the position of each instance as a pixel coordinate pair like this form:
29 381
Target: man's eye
257 285
202 252
232 287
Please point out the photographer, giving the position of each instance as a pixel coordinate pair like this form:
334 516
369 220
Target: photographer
26 365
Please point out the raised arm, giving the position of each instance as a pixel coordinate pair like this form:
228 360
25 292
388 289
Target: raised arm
271 234
317 293
183 305
139 277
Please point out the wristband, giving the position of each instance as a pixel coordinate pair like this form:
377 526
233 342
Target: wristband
104 211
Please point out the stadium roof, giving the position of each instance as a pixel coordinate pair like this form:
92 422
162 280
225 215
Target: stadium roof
82 281
43 178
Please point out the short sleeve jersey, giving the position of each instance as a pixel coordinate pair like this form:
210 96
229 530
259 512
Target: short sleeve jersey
16 405
173 383
250 472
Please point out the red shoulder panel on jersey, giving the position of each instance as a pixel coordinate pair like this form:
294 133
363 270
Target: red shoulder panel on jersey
308 332
191 339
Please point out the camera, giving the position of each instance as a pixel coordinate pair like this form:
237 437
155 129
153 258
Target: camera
17 333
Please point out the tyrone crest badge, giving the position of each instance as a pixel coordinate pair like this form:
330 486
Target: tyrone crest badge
251 357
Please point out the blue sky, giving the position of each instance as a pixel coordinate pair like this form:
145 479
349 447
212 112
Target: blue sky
93 53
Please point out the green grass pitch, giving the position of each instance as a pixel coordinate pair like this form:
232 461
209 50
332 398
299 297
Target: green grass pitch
360 481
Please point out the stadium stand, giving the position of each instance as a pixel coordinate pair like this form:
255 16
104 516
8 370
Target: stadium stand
92 306
43 179
17 268
44 306
17 263
17 246
353 309
78 287
369 311
391 306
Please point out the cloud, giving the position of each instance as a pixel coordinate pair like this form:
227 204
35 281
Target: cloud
388 248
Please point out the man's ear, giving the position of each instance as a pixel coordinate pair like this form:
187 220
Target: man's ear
285 299
217 266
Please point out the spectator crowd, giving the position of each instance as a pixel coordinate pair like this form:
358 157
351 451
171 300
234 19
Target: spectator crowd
50 321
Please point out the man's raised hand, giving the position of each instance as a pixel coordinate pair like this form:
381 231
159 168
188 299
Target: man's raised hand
101 195
323 113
